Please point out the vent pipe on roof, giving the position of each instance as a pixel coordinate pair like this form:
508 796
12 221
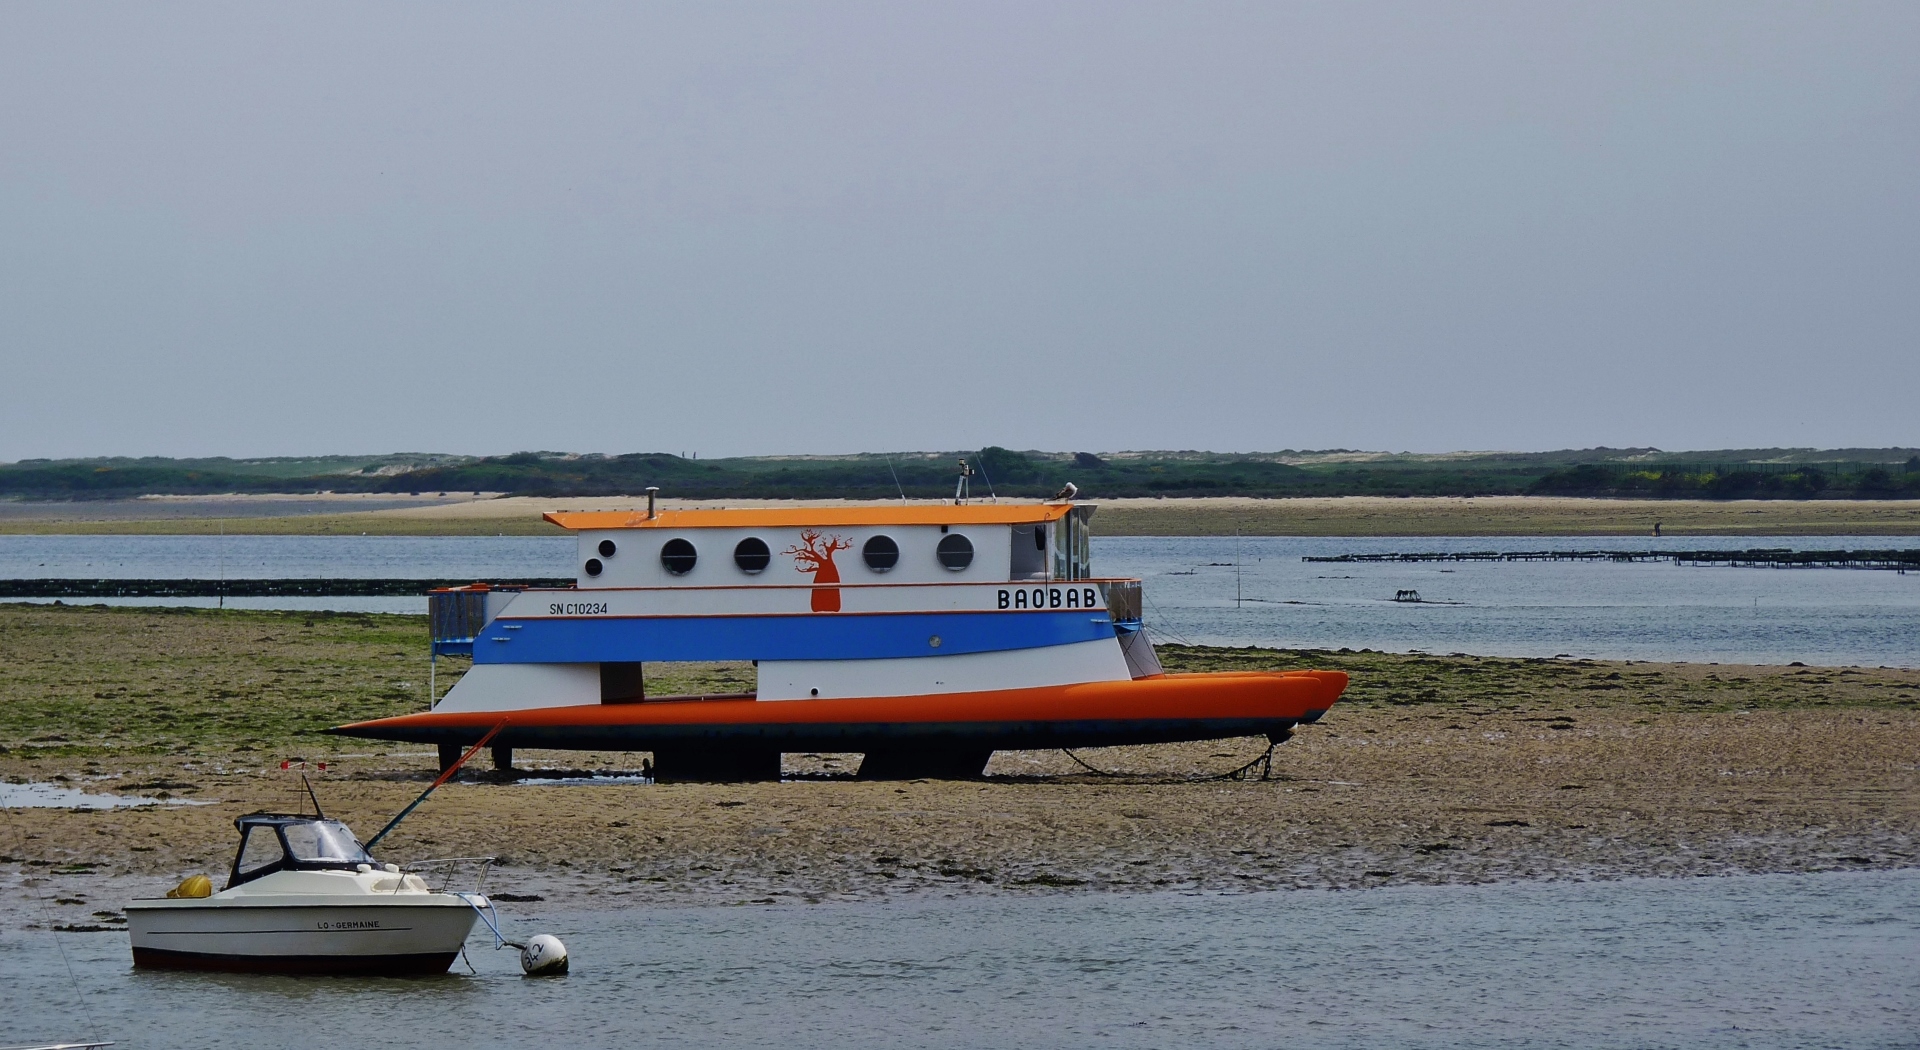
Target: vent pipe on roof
652 492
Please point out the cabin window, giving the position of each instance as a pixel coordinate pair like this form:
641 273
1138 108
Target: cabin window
593 566
881 553
1029 561
955 551
1072 550
751 554
678 556
324 842
607 548
261 849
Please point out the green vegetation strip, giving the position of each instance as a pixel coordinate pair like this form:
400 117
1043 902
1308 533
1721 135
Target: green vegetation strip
1732 474
1355 516
93 680
1490 684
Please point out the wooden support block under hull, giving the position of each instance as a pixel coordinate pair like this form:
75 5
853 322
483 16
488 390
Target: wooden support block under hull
715 763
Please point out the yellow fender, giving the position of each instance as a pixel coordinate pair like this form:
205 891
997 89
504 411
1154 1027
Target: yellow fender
193 886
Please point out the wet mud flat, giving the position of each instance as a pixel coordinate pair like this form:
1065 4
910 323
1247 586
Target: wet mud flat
1434 769
1372 797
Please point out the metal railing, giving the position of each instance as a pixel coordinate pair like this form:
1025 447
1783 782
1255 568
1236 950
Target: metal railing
441 873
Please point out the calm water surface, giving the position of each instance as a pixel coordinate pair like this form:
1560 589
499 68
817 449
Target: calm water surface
1754 961
1600 610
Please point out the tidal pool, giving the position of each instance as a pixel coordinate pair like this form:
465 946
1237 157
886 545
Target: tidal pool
36 795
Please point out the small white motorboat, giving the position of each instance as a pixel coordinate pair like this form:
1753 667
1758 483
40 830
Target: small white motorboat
304 896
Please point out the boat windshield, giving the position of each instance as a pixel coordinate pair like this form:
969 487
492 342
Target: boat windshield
324 842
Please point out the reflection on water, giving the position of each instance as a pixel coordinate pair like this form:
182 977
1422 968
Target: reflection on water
1222 591
1792 960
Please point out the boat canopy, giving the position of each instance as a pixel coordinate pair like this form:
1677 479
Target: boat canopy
271 842
816 517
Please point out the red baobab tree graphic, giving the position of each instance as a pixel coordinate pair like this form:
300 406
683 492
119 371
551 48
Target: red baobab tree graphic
812 557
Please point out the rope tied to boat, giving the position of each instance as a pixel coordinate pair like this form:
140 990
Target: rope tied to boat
445 776
484 908
1264 763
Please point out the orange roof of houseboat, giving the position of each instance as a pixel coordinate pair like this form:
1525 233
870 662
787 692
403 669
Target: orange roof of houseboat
824 517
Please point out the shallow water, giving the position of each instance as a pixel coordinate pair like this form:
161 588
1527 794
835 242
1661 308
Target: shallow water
1753 961
1601 610
492 558
587 781
285 557
56 796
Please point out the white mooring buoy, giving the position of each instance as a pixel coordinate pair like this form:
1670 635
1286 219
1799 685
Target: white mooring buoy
544 956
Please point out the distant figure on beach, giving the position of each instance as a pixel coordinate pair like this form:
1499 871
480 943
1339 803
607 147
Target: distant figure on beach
1656 528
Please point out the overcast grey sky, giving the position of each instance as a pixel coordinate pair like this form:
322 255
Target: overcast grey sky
260 229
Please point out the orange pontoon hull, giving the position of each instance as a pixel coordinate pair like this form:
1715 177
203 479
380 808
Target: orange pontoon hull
1158 709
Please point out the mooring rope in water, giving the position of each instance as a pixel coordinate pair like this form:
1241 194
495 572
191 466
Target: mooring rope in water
490 916
53 930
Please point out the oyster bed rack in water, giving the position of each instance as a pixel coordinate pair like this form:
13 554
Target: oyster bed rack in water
1762 557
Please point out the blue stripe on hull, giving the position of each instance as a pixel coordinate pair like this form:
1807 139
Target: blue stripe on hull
821 636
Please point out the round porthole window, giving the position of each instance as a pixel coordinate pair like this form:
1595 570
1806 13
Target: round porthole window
955 551
751 554
881 553
593 566
606 548
678 556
